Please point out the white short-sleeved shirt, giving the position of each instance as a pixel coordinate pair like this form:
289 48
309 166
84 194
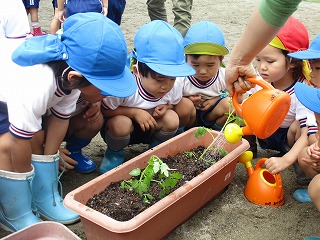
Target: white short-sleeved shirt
144 100
212 88
14 21
30 93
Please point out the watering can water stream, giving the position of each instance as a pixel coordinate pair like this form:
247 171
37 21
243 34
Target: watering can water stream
263 112
263 187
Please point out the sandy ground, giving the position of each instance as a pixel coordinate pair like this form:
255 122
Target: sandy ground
230 216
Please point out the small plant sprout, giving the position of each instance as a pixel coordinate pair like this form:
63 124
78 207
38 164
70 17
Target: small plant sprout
157 171
201 131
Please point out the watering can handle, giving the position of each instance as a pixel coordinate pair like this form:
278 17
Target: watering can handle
260 163
277 176
262 83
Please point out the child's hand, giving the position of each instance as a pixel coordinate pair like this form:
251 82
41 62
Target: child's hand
160 110
196 99
145 120
209 103
314 151
93 114
276 164
69 163
62 15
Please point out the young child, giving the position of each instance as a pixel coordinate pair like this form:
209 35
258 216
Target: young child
148 116
32 8
283 73
39 90
204 48
309 157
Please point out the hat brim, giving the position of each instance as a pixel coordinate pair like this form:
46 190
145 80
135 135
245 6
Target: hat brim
308 96
176 70
206 48
123 85
306 54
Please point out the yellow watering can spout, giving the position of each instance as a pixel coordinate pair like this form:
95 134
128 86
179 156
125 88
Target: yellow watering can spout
245 158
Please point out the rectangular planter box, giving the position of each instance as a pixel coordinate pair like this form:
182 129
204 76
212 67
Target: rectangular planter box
46 230
168 213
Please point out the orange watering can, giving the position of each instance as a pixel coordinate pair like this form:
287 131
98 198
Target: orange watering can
263 112
263 187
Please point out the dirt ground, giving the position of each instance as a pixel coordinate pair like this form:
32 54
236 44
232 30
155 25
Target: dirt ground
231 215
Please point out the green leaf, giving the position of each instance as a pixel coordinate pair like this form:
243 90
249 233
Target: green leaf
156 167
201 131
177 175
135 172
135 184
165 169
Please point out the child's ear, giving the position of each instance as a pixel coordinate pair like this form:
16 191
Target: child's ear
73 77
135 69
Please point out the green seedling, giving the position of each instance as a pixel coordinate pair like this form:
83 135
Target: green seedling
156 171
201 131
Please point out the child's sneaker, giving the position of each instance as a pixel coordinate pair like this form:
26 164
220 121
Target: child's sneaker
37 31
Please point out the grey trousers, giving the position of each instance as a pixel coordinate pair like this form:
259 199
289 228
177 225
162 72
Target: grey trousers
180 8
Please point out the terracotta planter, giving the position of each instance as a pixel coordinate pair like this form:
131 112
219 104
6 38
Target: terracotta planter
164 216
43 230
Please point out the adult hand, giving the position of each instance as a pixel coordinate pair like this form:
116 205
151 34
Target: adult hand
236 75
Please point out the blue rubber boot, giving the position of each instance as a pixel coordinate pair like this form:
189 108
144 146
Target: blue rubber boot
85 164
111 159
301 195
15 201
47 201
311 238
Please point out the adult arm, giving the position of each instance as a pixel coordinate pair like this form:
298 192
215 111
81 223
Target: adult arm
264 23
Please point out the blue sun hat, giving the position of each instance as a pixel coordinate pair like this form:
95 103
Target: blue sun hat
308 96
313 52
160 46
92 45
205 38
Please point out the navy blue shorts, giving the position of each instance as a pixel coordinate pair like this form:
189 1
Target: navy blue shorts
4 119
115 10
201 117
55 3
276 141
83 6
31 3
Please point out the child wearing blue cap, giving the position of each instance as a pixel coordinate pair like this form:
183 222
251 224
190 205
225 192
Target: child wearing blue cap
148 115
204 48
309 157
40 84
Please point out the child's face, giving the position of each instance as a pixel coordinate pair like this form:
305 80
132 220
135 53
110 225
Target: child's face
272 64
206 66
315 72
158 86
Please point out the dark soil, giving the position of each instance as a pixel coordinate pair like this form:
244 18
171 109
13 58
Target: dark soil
123 205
